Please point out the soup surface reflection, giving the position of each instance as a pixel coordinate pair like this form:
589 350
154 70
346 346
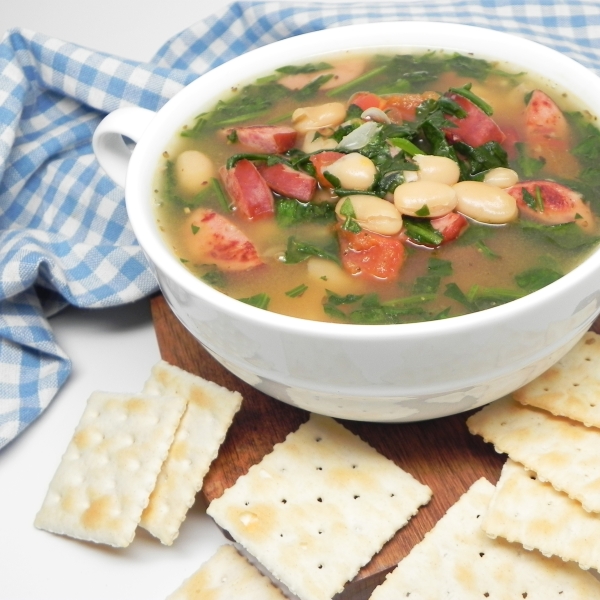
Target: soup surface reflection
383 189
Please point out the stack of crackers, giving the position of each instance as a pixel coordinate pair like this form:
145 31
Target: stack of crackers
548 495
312 512
322 503
138 459
534 534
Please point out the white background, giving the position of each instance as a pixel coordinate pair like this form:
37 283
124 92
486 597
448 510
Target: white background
111 350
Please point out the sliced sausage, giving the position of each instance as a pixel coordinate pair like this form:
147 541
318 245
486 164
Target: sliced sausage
270 139
553 203
288 182
218 241
476 128
248 190
450 226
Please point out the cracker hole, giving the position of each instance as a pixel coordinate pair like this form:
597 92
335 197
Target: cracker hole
356 496
524 594
354 466
319 499
320 531
247 503
283 501
482 554
318 439
320 566
392 495
319 468
575 384
486 595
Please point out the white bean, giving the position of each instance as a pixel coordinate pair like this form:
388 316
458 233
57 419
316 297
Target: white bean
485 203
354 171
310 118
372 213
425 199
327 272
193 171
314 142
437 168
501 177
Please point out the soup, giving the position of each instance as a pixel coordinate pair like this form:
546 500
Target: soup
383 189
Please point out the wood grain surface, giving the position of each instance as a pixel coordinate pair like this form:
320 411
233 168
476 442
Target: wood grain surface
440 453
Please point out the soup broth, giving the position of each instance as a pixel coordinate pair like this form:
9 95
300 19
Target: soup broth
383 189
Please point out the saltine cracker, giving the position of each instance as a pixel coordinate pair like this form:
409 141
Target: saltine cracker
202 430
227 576
570 388
532 513
456 559
110 467
557 449
318 507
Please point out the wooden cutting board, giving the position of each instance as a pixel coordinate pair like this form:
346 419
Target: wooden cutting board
440 453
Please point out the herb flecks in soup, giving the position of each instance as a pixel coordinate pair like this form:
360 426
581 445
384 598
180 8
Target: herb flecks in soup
383 189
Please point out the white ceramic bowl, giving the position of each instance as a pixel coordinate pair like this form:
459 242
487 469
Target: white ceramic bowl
372 373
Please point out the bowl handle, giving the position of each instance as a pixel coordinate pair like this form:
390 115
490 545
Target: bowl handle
110 148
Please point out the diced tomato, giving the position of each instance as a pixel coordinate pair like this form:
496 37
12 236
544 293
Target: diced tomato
450 226
403 107
366 100
218 241
476 128
370 254
553 203
321 161
270 139
247 189
288 182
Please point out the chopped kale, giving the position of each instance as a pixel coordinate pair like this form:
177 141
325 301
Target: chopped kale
290 212
261 300
536 278
215 278
566 235
298 251
307 68
427 284
297 291
421 231
439 266
465 92
310 88
527 165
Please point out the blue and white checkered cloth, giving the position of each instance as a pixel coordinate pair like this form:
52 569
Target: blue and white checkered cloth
64 234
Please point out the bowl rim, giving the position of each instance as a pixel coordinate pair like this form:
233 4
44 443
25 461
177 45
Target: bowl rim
177 109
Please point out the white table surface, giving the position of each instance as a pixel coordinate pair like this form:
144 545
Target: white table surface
111 350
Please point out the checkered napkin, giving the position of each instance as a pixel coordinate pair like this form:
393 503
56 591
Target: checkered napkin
64 234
